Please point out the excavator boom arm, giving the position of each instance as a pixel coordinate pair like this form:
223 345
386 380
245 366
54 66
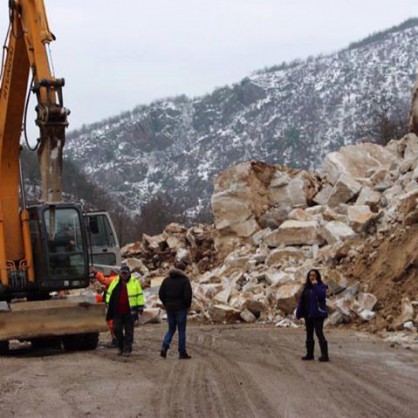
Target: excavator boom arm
26 52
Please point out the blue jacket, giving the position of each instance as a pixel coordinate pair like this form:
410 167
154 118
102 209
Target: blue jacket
316 305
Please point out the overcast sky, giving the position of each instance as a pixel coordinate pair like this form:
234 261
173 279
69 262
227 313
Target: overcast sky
115 55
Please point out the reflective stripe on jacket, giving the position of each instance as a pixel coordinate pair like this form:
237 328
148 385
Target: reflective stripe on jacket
135 295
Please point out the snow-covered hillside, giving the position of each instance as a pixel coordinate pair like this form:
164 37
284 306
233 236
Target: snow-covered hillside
292 114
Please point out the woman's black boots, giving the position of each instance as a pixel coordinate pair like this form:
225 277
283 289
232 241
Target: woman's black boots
324 351
309 350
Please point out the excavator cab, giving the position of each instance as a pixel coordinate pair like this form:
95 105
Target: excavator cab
60 246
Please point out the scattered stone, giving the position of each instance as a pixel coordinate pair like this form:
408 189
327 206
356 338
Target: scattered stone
247 316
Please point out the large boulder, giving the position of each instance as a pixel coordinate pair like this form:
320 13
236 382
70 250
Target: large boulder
336 231
407 147
294 233
360 217
287 193
279 255
356 161
240 197
247 183
345 189
287 297
252 196
223 313
229 208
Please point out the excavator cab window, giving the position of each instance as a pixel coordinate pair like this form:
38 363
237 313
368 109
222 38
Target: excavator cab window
105 248
101 233
58 236
65 244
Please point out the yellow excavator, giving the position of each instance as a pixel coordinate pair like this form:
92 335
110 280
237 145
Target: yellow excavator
44 248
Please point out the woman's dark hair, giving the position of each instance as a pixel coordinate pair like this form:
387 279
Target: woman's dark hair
318 277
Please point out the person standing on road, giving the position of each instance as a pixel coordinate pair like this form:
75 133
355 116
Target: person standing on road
176 295
101 297
312 307
125 302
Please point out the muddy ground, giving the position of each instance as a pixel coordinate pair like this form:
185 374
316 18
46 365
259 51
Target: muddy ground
236 371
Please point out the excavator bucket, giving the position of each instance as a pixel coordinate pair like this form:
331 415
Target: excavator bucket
51 318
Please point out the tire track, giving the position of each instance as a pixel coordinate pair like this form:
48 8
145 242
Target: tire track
350 383
219 386
236 371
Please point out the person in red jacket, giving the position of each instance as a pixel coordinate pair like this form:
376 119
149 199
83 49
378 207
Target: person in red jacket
105 283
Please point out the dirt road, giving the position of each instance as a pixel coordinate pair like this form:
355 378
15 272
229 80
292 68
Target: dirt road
236 371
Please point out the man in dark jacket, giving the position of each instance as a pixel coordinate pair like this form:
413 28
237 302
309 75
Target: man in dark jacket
176 295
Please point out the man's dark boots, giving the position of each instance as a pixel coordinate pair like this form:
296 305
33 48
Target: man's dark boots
113 343
120 349
184 356
309 350
127 351
324 351
163 352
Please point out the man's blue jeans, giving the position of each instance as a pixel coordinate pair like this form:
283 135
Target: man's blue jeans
176 320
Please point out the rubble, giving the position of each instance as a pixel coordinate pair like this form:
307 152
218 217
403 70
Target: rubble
273 224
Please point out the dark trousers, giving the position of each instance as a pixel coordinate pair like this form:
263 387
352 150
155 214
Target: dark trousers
317 325
124 331
176 320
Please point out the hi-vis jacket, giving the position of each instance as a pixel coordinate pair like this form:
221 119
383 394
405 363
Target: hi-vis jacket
135 296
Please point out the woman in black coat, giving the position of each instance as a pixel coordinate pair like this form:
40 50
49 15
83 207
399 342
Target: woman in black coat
312 307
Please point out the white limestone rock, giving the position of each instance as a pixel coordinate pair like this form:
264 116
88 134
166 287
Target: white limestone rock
369 197
322 197
222 313
407 147
407 202
367 300
335 231
229 209
360 217
287 297
345 189
356 160
366 315
279 255
294 233
247 316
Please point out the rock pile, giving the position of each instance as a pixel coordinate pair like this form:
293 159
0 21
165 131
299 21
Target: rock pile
273 224
193 246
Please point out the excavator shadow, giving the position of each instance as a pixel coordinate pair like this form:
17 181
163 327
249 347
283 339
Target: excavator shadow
43 347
